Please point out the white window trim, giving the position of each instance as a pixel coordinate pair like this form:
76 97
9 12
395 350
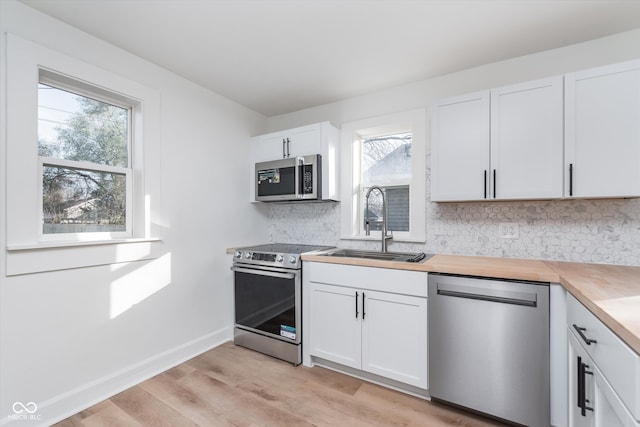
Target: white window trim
352 133
28 250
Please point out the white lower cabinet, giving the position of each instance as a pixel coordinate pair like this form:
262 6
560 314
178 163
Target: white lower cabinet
597 361
383 333
592 400
335 326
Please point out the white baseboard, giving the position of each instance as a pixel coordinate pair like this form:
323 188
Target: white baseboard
80 398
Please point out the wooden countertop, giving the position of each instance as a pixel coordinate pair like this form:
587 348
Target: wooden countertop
611 293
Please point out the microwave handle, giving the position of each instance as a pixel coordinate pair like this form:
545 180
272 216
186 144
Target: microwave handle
299 163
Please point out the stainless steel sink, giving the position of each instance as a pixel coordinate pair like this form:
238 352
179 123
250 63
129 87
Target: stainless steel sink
383 256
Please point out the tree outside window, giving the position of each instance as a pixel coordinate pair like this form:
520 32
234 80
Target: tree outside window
83 144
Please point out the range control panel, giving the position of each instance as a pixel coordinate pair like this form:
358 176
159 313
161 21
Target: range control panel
269 259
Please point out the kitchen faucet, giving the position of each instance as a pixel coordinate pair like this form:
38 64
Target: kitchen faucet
384 233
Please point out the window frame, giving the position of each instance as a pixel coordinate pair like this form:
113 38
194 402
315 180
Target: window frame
384 185
65 83
414 121
28 249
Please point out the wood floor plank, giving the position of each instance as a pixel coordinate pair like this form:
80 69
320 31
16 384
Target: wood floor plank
76 420
239 406
149 410
111 416
233 386
418 411
190 404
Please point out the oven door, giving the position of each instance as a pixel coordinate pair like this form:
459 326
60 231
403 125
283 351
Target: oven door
267 301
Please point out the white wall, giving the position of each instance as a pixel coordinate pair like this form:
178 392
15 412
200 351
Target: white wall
73 337
601 231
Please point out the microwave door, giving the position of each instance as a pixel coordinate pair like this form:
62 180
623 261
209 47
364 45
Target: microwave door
276 183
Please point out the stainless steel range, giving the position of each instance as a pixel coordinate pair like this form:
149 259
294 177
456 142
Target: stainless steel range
268 299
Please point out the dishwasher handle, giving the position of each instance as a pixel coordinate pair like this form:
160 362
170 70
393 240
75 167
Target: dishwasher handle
528 302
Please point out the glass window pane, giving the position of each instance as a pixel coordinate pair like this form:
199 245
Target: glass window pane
386 160
397 200
74 127
78 200
398 208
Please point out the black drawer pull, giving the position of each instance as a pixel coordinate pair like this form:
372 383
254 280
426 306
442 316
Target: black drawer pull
580 332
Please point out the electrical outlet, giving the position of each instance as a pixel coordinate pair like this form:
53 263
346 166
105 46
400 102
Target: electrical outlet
509 230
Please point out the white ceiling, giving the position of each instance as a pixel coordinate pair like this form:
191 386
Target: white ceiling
281 56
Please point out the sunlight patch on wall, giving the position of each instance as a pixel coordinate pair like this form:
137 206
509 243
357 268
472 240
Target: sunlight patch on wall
139 284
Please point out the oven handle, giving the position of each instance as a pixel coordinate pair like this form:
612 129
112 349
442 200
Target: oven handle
264 272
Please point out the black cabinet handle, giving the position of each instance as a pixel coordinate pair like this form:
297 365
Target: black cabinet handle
582 398
363 312
580 379
288 148
284 153
570 179
494 183
485 183
356 305
580 332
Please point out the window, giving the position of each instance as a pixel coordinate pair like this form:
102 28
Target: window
386 163
387 152
82 162
83 148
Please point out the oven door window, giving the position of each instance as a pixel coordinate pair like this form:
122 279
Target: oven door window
267 304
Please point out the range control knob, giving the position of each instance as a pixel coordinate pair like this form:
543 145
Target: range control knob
279 258
293 260
238 254
247 255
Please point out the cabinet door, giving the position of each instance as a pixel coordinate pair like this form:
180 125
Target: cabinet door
460 148
580 380
527 140
602 132
270 147
304 141
609 410
301 141
334 324
394 337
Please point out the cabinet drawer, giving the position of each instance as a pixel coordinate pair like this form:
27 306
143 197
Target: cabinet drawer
377 279
618 363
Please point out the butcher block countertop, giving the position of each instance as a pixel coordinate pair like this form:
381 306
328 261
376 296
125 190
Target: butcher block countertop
611 293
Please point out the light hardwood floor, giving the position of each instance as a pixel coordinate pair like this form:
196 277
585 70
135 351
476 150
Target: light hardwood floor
233 386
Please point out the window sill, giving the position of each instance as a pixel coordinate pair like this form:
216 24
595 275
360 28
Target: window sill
54 256
66 243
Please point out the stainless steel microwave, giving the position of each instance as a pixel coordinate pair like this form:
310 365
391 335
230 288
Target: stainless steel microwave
296 178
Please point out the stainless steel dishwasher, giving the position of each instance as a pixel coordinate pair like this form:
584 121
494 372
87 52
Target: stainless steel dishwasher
489 346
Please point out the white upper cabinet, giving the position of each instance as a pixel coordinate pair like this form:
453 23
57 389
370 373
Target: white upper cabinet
602 131
460 148
318 138
301 141
526 140
500 144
